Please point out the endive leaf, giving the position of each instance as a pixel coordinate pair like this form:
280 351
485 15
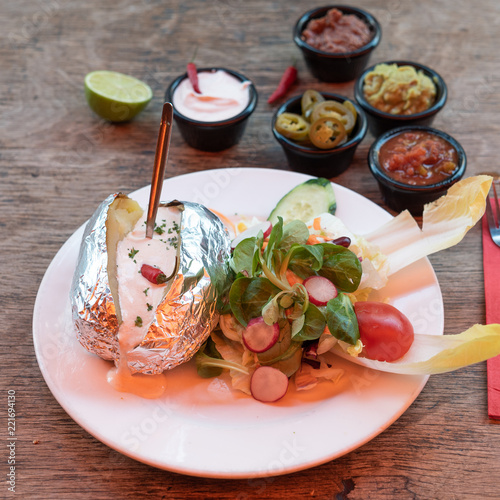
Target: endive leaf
430 354
445 223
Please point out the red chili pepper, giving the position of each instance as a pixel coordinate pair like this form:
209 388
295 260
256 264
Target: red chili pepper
153 274
287 80
193 77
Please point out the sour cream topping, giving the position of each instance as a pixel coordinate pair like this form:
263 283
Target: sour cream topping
222 96
139 298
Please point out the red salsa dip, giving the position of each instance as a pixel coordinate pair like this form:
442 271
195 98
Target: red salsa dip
418 158
336 32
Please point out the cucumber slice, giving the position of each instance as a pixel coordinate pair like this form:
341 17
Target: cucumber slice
306 201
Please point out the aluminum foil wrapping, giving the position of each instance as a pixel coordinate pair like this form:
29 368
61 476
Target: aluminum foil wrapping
187 314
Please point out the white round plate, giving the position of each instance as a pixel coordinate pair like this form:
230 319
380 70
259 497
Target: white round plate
201 426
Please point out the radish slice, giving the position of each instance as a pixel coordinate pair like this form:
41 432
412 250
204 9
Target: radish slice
259 337
268 384
253 231
320 290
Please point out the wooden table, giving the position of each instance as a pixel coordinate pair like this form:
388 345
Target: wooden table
58 161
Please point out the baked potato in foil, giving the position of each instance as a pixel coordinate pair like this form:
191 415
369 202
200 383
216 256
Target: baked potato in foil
174 325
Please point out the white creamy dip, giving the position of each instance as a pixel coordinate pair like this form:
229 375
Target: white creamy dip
222 96
139 298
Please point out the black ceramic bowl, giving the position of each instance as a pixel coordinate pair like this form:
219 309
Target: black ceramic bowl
337 67
400 196
314 161
379 121
213 136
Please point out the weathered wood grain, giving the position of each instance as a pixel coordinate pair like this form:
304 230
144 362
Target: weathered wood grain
58 161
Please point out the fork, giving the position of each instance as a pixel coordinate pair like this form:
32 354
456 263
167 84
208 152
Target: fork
493 215
491 271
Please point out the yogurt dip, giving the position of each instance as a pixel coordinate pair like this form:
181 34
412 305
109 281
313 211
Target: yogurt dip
222 97
139 298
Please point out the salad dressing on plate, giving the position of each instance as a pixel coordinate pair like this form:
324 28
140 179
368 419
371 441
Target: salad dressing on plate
145 386
139 298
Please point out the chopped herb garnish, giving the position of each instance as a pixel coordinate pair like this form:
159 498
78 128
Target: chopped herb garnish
173 241
149 306
133 253
174 229
138 321
145 292
160 229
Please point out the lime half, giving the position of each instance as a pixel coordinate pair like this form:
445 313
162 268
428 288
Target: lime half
116 97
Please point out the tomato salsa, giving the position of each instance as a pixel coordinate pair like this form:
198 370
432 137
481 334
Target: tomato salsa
337 32
418 158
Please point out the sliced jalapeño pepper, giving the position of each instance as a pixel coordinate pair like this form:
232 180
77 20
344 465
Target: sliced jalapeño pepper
327 132
292 126
334 109
310 99
350 106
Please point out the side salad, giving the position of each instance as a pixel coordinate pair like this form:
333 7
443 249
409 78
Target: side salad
300 292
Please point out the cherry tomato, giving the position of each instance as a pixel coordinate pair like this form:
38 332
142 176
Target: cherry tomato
386 333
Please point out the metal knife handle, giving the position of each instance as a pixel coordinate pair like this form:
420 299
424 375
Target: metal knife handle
161 157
